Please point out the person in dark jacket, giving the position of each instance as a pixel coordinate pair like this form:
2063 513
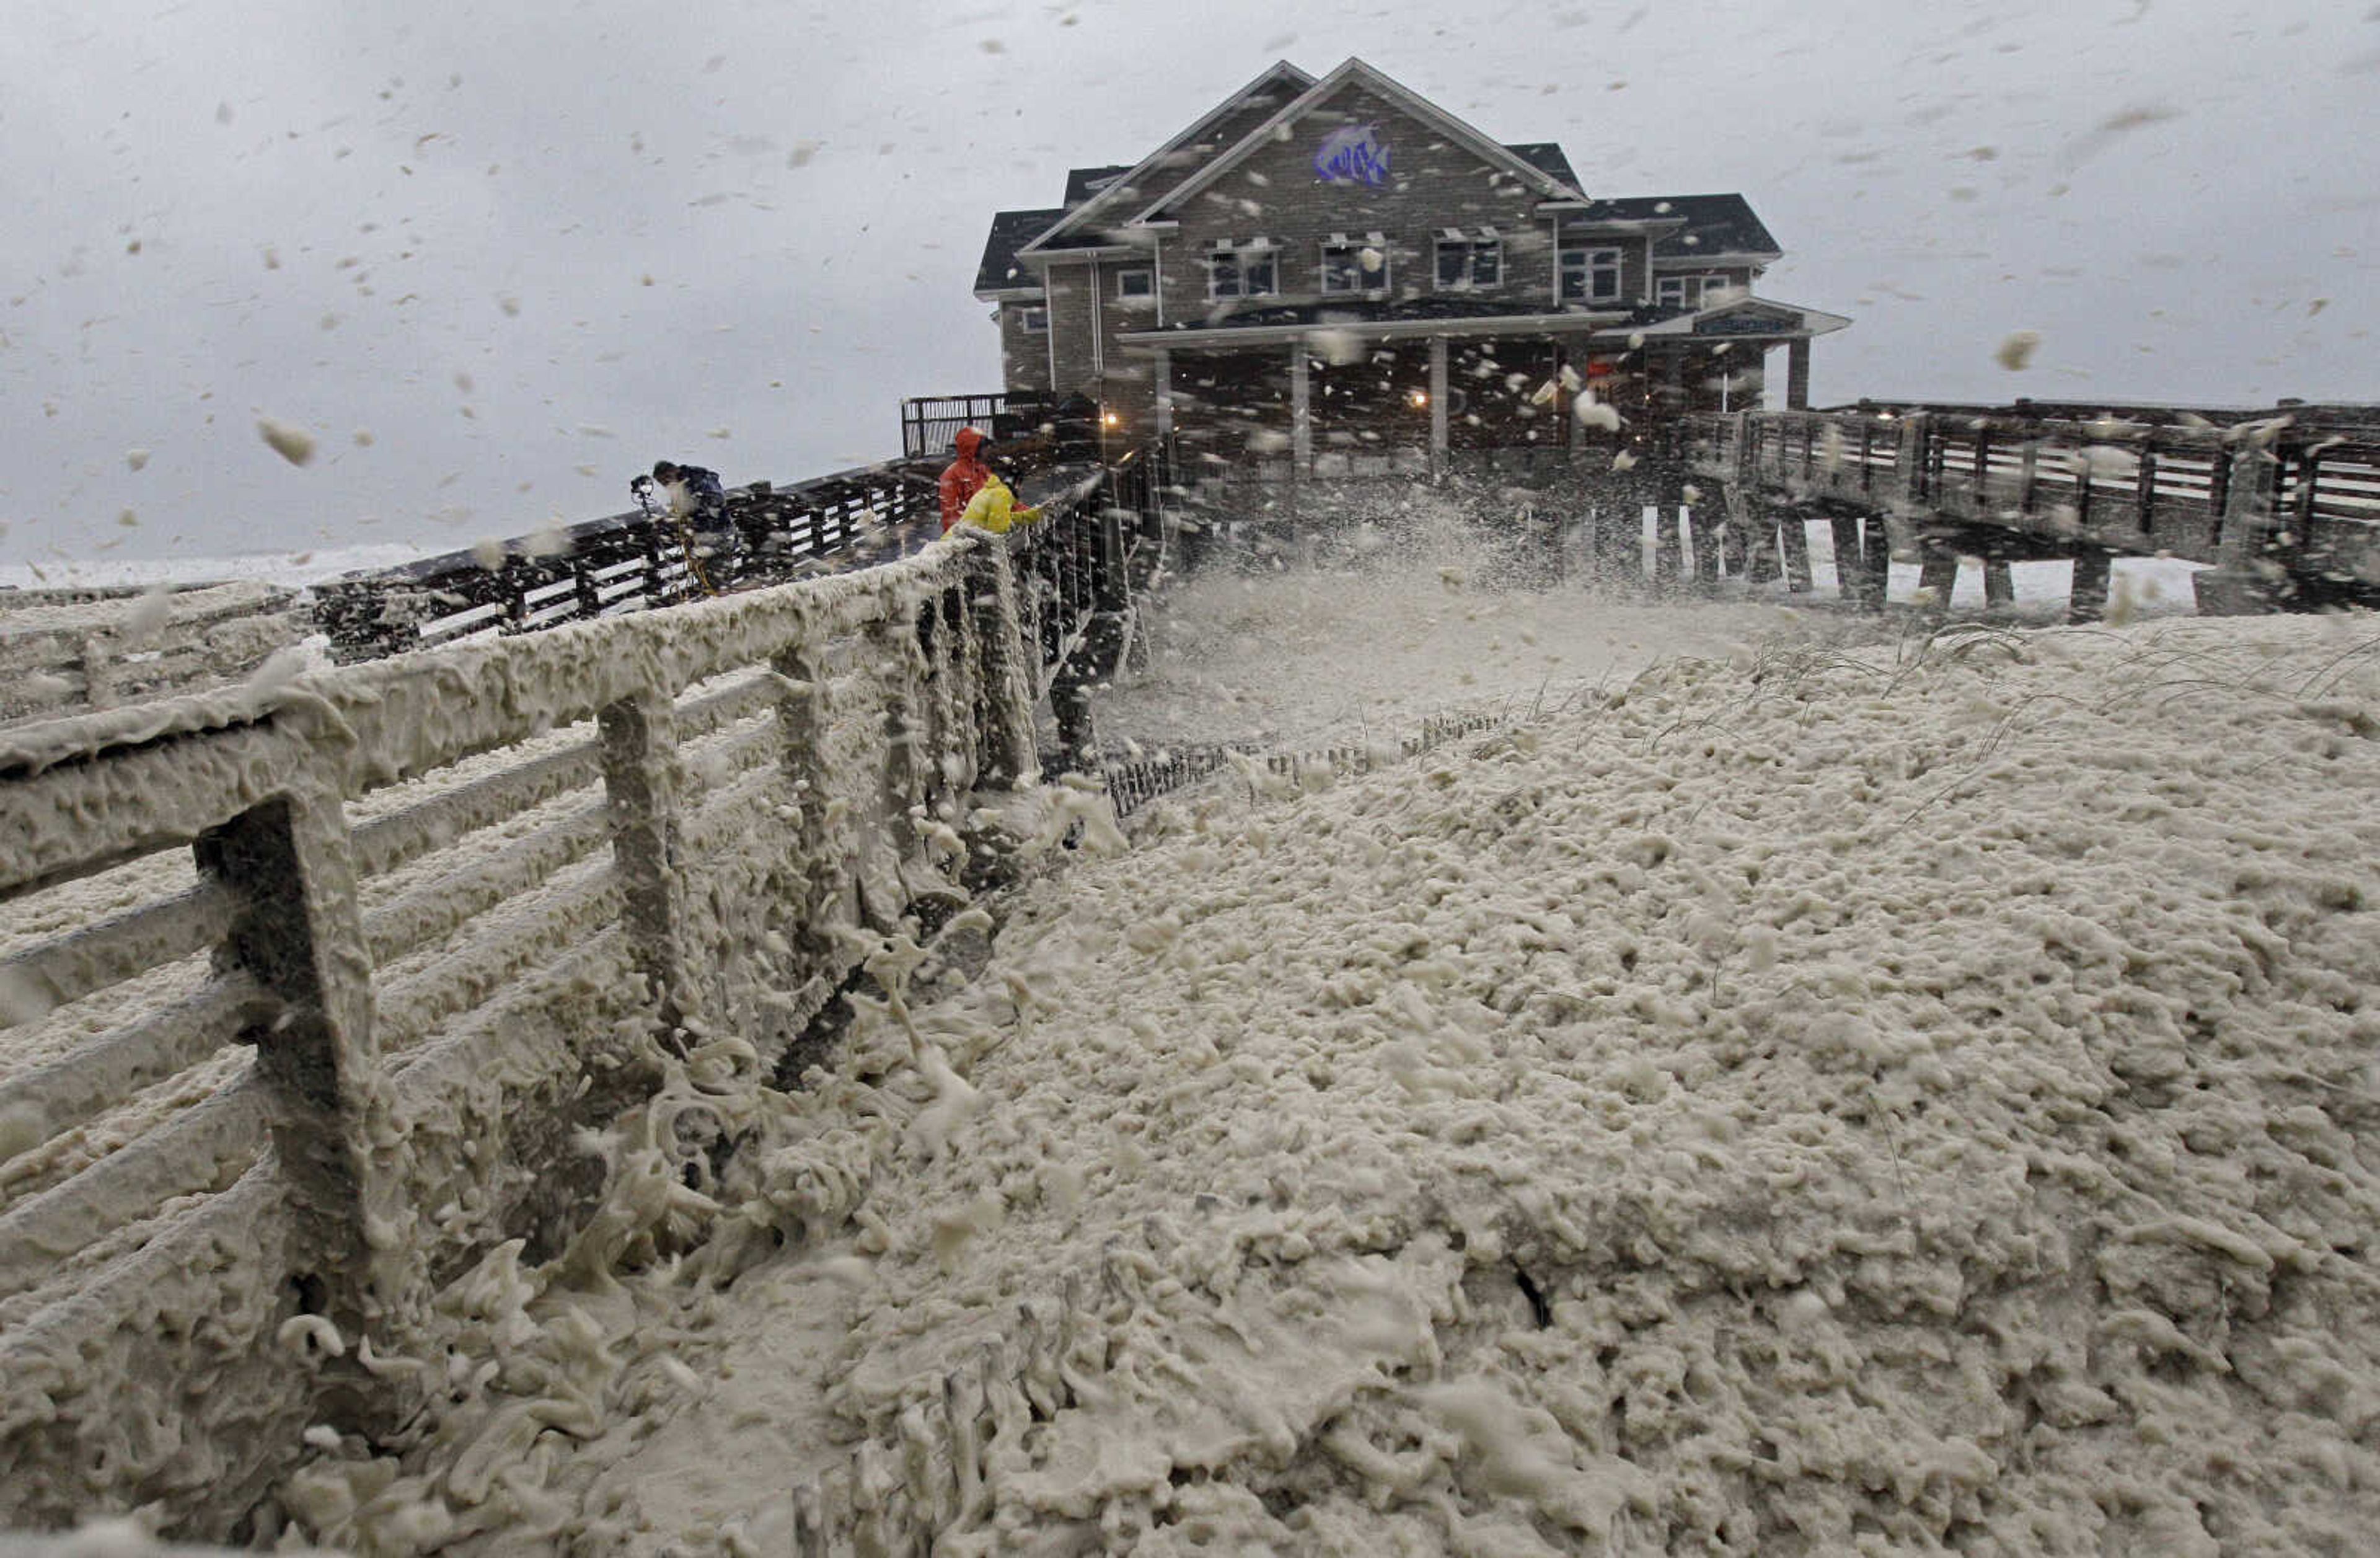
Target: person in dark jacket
964 476
706 500
694 497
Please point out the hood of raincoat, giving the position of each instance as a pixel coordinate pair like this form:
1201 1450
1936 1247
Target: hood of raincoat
966 441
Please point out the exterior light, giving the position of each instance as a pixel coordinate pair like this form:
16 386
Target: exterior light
1419 397
1109 419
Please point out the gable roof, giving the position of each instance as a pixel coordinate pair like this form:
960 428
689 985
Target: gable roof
1082 183
1545 156
1714 225
1355 72
1117 197
1011 230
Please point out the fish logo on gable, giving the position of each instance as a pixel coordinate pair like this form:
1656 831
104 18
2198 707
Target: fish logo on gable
1353 154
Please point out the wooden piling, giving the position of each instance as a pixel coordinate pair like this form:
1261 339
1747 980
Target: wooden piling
1938 572
1875 579
2087 600
1850 563
1796 537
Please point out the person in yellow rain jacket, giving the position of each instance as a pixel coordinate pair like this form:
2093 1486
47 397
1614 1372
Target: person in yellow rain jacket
994 508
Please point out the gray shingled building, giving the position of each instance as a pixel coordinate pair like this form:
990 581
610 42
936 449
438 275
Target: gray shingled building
1319 265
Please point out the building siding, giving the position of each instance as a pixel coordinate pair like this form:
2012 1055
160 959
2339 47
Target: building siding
1072 321
1432 184
1024 354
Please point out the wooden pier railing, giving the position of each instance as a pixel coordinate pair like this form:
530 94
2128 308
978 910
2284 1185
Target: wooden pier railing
310 991
307 991
629 562
1081 559
2286 506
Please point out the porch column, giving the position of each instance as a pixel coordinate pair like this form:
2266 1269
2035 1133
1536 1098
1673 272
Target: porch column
1437 407
1301 411
1160 373
1797 374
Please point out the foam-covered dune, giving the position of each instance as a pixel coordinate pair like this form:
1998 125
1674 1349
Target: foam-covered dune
1809 1102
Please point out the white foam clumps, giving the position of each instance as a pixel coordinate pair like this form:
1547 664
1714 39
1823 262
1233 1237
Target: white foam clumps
1899 1096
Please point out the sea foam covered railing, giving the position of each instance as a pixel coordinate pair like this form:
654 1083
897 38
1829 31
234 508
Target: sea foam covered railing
307 993
2284 505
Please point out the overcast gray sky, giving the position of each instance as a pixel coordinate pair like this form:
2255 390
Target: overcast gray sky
496 258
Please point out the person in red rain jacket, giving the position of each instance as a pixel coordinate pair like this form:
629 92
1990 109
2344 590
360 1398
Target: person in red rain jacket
962 476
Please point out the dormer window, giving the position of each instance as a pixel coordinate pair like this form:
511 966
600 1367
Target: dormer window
1139 283
1470 261
1243 269
1590 276
1356 264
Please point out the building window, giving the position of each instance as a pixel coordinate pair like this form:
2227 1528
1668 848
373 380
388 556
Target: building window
1590 276
1692 292
1246 270
1034 320
1138 281
1467 262
1354 264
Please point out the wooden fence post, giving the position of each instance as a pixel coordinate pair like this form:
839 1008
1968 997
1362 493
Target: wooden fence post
949 683
802 725
298 932
1004 710
639 752
95 654
1908 462
893 654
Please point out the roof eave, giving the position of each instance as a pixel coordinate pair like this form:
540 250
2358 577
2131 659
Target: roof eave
1726 257
1048 257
